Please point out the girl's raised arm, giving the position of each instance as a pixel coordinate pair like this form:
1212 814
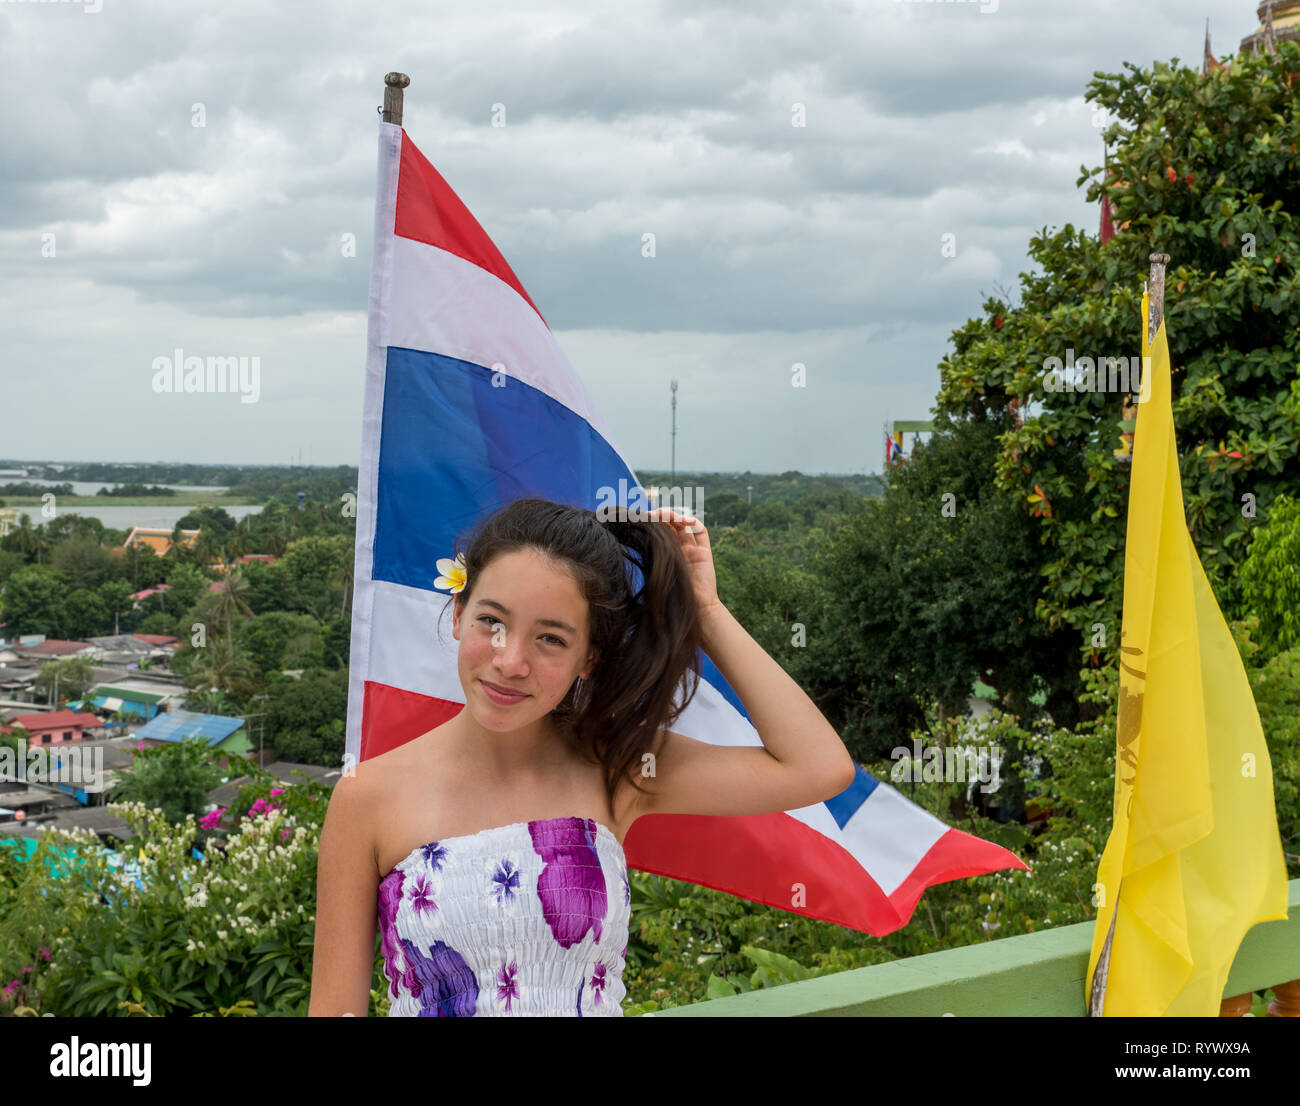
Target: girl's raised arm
802 760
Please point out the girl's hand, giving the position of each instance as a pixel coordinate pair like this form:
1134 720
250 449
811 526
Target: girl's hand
694 541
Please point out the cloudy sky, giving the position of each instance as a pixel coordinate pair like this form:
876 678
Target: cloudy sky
776 244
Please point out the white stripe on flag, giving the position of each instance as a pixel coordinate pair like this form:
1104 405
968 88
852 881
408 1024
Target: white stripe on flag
889 834
444 304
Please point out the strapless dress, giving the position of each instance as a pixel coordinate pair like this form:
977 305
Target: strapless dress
528 919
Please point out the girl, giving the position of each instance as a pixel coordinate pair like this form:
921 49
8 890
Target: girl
492 845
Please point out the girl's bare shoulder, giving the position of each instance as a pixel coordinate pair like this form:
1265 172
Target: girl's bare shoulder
384 776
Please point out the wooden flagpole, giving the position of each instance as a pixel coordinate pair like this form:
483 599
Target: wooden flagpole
1155 312
393 85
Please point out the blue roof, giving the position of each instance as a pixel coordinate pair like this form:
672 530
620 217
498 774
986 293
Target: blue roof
179 724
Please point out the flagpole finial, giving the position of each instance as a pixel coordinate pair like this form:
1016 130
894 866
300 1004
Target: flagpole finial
1157 293
393 85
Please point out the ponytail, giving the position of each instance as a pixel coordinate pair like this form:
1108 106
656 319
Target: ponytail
634 692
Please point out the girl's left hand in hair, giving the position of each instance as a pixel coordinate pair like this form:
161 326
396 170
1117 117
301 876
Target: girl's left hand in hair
694 541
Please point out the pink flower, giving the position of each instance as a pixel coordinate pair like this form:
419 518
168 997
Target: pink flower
284 833
44 951
276 791
140 744
258 807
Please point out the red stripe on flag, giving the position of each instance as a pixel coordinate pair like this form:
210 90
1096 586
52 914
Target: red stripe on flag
955 855
391 717
765 858
429 211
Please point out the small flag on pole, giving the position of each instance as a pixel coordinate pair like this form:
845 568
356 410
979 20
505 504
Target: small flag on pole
469 404
1194 857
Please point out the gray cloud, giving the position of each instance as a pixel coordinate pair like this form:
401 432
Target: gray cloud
669 118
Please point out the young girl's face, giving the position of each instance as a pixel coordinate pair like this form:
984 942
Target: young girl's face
523 640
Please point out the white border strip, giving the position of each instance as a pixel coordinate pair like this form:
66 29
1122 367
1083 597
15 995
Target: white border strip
381 276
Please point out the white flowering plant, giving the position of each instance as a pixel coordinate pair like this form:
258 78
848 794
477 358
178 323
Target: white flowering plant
163 928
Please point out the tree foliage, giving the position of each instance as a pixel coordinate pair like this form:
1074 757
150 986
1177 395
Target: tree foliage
1206 170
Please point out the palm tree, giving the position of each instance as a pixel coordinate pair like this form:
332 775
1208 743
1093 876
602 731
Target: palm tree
231 597
217 669
206 547
25 535
40 541
343 575
277 540
212 701
241 541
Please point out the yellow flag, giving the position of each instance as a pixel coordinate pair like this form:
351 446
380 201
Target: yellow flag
1194 857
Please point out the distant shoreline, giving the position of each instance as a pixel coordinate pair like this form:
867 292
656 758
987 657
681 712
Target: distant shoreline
184 499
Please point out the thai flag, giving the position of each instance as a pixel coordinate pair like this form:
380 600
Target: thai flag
892 448
469 404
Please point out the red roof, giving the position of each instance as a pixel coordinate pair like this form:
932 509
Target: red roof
158 639
56 720
54 647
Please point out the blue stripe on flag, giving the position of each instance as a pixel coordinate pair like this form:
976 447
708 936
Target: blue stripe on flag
844 805
710 672
454 448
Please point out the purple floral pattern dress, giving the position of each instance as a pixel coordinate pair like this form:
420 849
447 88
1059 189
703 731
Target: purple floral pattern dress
529 919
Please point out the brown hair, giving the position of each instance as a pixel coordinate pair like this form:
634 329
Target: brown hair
645 642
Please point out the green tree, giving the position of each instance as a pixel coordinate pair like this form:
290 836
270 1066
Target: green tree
1204 169
726 509
85 614
1270 578
186 584
83 562
336 643
116 597
74 676
33 601
923 593
10 562
216 667
277 640
315 569
175 778
305 717
222 605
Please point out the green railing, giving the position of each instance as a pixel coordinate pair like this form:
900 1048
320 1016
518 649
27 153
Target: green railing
1035 975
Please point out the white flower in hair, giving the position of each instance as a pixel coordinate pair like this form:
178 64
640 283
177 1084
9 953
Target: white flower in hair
453 574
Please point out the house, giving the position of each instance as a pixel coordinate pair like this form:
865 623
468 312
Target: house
165 641
16 682
111 828
246 558
128 650
140 596
56 727
53 649
158 539
18 802
287 772
131 700
222 734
